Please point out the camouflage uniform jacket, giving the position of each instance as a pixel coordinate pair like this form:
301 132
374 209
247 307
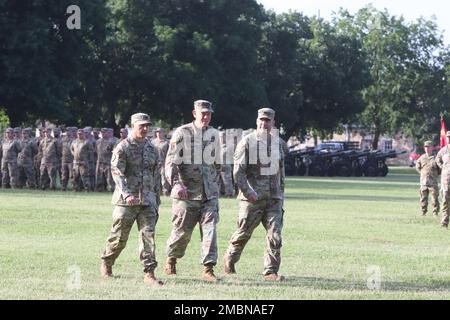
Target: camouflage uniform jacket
104 150
81 151
162 146
29 150
136 171
10 150
67 156
200 177
443 161
51 150
428 169
248 169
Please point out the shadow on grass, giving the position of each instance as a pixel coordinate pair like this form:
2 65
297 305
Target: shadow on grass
344 197
342 284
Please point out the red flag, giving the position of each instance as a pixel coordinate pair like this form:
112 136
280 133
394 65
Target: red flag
443 133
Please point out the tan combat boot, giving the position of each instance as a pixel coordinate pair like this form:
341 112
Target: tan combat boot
228 266
170 268
149 278
208 274
106 271
273 277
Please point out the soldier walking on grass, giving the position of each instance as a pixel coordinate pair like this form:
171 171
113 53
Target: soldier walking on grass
193 170
135 169
261 194
429 174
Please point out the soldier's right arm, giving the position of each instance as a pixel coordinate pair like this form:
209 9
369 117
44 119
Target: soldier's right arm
240 168
171 170
419 165
118 167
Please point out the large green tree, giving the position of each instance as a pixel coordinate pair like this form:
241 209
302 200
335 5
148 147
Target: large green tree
41 58
406 62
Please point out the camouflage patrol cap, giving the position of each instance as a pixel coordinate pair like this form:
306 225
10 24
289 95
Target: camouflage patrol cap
159 129
104 129
140 118
448 134
428 144
80 131
57 129
17 129
25 130
203 106
266 113
9 130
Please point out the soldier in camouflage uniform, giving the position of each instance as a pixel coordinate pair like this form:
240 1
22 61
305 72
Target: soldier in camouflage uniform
162 145
92 159
429 174
10 150
105 146
135 169
261 194
81 150
51 151
38 156
195 188
67 157
443 161
25 160
123 133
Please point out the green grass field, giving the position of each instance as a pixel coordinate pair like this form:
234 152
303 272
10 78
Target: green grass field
343 238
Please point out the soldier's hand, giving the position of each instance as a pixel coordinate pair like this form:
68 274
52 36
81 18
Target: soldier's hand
252 197
132 200
182 192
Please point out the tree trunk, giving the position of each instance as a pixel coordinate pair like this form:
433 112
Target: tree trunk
376 138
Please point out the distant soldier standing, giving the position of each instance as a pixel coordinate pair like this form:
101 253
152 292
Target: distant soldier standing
105 146
81 150
162 145
25 160
67 157
261 194
10 150
38 156
123 133
195 189
51 150
92 155
429 174
135 169
443 161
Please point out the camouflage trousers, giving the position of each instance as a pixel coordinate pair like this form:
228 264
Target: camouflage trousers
445 207
103 177
48 175
269 212
81 178
9 174
425 191
123 220
27 175
226 181
91 175
66 174
185 215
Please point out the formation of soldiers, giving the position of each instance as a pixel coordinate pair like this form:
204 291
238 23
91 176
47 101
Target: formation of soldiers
80 158
430 167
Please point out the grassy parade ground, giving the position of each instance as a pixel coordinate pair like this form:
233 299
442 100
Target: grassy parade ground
343 238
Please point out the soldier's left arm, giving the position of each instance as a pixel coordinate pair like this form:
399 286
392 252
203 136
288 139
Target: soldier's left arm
157 176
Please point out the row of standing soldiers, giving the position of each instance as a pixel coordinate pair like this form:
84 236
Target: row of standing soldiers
81 155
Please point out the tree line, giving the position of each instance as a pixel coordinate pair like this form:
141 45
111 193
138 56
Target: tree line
369 69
